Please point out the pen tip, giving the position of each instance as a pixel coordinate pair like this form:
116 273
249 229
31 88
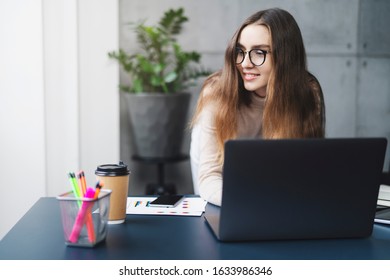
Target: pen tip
99 184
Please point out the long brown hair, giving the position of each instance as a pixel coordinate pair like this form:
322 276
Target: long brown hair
294 106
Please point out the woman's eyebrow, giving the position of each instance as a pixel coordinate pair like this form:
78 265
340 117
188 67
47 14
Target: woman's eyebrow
261 46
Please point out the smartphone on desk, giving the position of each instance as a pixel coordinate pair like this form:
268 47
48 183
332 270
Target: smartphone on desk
166 201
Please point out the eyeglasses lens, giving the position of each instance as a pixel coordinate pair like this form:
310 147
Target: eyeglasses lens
257 57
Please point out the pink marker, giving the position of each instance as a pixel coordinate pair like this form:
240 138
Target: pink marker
81 216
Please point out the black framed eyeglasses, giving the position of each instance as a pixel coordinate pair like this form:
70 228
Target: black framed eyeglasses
256 56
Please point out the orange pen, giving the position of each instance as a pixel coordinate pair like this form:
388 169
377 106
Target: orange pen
99 185
83 183
90 229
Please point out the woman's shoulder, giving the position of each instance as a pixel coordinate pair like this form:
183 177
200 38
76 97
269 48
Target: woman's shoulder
207 101
210 85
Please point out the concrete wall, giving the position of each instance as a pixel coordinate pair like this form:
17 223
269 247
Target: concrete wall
347 44
373 83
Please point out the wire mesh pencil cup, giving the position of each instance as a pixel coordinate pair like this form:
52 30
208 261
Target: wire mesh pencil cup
84 220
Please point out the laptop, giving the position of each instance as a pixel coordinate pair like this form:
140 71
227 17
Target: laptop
298 189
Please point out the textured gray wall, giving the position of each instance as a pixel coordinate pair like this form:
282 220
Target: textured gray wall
348 48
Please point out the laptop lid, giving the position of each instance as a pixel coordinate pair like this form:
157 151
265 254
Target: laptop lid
299 188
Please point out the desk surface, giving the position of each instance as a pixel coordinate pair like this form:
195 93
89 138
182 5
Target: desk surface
38 235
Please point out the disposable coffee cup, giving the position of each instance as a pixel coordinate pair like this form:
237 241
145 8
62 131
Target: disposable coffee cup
116 178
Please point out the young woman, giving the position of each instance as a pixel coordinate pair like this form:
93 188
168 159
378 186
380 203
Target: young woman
263 91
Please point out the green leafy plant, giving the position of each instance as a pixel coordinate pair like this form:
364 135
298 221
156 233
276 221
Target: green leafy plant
161 66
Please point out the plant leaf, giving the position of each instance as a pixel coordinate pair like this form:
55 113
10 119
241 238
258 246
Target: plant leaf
170 77
160 65
137 85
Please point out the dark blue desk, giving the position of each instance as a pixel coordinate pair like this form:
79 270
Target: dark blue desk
38 235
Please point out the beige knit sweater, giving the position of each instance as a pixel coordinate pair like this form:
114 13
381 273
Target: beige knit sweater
209 171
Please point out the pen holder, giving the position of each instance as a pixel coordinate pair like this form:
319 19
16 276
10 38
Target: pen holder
84 220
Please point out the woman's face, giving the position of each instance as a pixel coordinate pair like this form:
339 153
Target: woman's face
255 78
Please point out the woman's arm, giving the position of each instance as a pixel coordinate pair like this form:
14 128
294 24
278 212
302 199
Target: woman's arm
206 169
209 169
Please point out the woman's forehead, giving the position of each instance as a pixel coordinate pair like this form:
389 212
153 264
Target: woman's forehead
254 35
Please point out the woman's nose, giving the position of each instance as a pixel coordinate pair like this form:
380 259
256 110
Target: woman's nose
247 62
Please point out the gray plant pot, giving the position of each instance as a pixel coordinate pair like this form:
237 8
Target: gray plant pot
158 123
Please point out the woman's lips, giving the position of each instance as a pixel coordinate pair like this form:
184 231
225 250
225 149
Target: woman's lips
250 76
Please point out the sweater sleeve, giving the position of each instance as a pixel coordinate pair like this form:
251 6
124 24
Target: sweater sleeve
209 170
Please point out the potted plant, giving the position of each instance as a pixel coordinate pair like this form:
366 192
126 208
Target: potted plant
159 75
